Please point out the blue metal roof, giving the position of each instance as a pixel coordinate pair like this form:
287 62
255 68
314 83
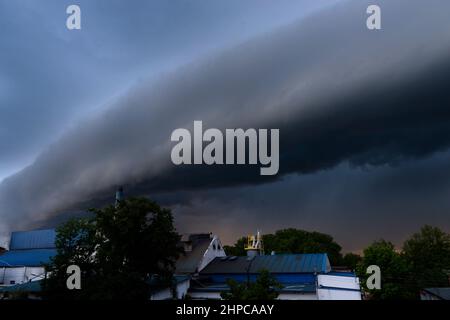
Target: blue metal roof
26 258
282 263
36 239
283 278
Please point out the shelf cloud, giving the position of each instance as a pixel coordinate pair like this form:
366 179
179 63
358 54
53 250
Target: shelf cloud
337 92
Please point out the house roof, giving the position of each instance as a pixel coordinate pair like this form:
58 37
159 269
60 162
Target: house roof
189 261
36 239
282 263
442 293
26 258
194 238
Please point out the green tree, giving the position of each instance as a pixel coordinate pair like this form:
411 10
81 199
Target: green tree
75 242
117 250
264 288
351 260
300 241
428 255
238 291
394 271
237 249
293 241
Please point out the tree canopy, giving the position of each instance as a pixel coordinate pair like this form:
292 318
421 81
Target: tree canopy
294 241
263 289
423 262
394 271
351 260
428 256
117 250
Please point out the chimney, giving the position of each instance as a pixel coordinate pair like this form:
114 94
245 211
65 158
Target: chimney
119 196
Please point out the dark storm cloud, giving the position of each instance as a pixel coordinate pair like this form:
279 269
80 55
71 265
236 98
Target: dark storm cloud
355 206
337 91
51 77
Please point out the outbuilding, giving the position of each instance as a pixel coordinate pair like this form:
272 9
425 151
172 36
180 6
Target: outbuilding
28 253
302 276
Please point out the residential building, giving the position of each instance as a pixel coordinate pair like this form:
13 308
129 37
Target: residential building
199 250
302 276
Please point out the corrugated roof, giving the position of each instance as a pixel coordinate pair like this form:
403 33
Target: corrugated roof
283 263
189 261
26 258
36 239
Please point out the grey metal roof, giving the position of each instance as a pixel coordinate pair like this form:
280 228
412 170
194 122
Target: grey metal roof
193 238
188 262
36 239
283 263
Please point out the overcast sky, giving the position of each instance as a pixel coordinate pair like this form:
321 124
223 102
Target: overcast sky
364 116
